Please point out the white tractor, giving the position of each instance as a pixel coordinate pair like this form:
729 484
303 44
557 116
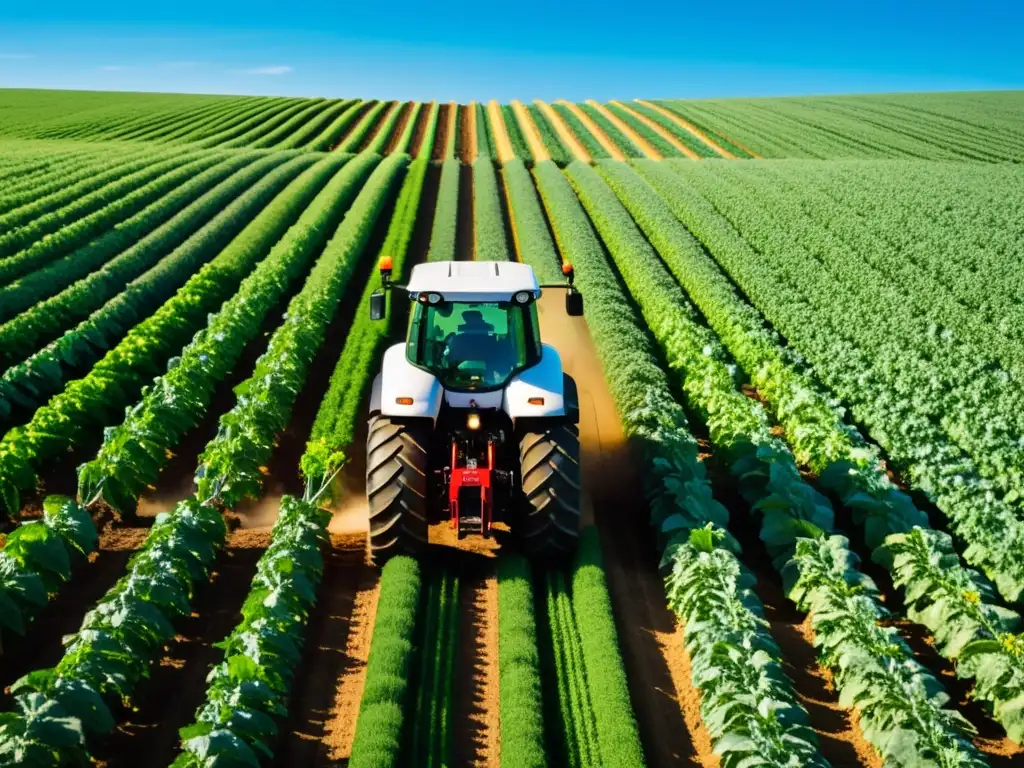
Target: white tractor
472 418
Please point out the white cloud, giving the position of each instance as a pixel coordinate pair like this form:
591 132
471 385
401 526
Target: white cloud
264 71
15 56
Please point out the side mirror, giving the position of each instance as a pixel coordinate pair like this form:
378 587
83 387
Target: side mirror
574 304
378 306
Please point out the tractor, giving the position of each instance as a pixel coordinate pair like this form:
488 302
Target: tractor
472 418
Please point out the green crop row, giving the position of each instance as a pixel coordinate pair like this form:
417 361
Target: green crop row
484 134
585 137
334 428
489 240
628 148
556 149
234 134
446 213
688 506
681 134
990 525
47 270
250 687
355 138
533 241
304 136
702 126
426 147
134 452
115 304
330 136
230 467
409 130
519 683
117 379
260 129
60 712
515 135
648 135
381 723
284 131
766 473
379 143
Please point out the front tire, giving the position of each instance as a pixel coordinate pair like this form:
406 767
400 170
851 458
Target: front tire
396 487
549 461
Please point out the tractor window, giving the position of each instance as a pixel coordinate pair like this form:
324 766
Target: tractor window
473 345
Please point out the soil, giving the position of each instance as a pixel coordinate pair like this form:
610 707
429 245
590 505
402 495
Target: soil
476 724
400 124
641 143
381 119
684 124
660 131
595 130
467 133
567 136
329 684
422 121
465 239
530 133
502 144
441 135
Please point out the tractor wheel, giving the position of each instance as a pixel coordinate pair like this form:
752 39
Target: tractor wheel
396 487
550 466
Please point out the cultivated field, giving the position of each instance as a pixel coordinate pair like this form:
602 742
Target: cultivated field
802 433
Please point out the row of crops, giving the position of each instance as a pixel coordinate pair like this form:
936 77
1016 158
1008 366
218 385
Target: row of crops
799 322
981 127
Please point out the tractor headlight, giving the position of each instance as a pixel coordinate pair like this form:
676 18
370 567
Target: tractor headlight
523 297
434 298
473 421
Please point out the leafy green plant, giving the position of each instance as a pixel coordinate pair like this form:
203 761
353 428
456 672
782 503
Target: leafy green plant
446 211
628 148
579 130
229 468
533 241
134 452
354 140
250 687
515 135
556 149
489 241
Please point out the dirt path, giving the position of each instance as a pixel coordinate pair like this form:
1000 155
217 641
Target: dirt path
468 129
641 143
465 236
530 132
502 143
595 129
422 122
664 134
564 133
167 701
657 667
329 684
403 120
437 152
687 126
476 718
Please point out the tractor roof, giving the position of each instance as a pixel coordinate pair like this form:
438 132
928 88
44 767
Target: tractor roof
473 280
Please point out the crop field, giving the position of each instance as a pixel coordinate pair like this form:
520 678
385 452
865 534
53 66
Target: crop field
802 433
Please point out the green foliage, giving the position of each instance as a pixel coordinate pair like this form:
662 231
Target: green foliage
134 452
334 429
405 139
677 131
556 149
628 148
382 722
426 147
250 687
331 136
354 140
484 134
303 137
646 133
515 135
519 689
61 710
437 643
285 130
446 212
490 242
381 137
133 217
617 736
117 379
703 126
230 466
589 142
530 228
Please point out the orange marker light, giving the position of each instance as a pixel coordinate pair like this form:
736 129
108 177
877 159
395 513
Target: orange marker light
566 268
386 264
536 401
403 400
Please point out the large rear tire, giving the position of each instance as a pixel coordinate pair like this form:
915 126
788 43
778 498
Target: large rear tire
396 487
550 466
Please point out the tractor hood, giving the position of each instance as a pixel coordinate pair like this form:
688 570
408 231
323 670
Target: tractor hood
473 280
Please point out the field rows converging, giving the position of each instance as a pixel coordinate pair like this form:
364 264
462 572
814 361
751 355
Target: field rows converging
776 519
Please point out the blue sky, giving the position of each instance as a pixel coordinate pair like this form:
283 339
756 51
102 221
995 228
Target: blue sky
525 49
